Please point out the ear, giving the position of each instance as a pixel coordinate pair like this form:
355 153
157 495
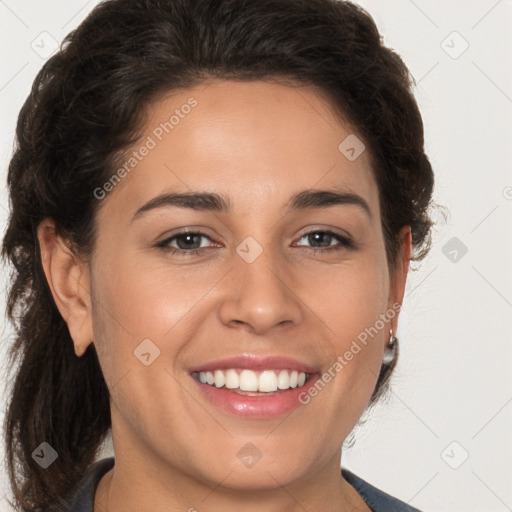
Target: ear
400 270
69 281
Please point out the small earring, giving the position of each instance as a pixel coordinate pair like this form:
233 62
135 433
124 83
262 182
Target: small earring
390 350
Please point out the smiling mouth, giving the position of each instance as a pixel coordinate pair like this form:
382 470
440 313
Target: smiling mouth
253 383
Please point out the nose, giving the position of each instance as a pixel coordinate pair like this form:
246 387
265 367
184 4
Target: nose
259 295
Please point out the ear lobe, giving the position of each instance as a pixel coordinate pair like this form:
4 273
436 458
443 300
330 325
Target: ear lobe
69 280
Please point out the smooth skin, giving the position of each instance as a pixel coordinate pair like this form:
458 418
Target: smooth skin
256 143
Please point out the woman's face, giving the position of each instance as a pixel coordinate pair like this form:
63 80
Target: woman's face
267 282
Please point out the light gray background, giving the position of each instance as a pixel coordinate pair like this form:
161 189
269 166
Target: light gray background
451 395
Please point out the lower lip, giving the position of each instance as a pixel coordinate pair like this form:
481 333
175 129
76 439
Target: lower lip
263 406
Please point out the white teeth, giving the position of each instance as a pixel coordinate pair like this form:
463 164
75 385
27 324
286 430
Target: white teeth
248 381
283 380
268 381
293 379
219 378
232 380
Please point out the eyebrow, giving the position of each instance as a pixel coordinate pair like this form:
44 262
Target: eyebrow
209 201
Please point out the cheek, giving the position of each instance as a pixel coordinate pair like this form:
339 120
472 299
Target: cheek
135 302
352 302
134 311
146 302
349 297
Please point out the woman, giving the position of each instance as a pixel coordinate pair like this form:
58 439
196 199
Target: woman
214 206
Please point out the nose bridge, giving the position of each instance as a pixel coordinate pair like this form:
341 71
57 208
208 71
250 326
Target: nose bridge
259 294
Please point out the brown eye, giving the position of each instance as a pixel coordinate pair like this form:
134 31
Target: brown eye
186 243
325 239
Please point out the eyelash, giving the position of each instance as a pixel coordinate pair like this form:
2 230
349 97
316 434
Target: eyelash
344 243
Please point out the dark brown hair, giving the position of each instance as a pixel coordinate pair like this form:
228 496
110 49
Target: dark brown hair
87 105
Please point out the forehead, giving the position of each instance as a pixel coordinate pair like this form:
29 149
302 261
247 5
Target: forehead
255 142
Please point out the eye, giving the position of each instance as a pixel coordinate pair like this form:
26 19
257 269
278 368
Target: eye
325 238
187 243
190 242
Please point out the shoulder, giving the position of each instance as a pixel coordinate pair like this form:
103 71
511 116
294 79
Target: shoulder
81 498
376 499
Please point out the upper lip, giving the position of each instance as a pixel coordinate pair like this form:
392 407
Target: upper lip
256 363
